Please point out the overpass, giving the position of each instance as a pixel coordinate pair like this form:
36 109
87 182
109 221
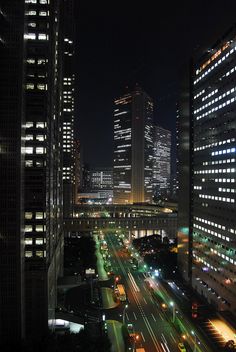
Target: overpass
139 220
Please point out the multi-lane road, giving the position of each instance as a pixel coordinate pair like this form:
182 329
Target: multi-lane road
155 326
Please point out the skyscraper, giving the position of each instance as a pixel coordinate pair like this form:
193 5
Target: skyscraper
67 42
43 170
31 244
212 128
161 161
133 147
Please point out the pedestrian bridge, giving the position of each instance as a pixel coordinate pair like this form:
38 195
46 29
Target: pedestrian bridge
137 220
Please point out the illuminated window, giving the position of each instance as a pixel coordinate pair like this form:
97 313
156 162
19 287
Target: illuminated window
29 150
31 1
42 13
28 228
41 61
40 150
39 241
39 254
28 215
29 124
42 36
39 215
40 138
39 228
29 137
29 86
42 86
40 125
30 61
32 24
28 254
30 13
28 241
29 163
30 36
39 163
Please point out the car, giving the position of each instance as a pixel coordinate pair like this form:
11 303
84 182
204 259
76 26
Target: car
130 328
181 347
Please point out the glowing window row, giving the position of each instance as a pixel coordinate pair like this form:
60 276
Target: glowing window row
223 256
224 180
40 254
221 199
228 190
199 259
34 13
216 162
38 241
214 100
214 233
39 86
214 171
34 36
209 223
214 144
37 1
199 94
215 65
210 94
38 228
224 151
36 124
37 150
38 215
219 107
38 137
38 62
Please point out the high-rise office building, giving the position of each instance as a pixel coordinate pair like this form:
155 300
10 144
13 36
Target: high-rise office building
212 174
31 244
67 41
101 178
161 161
11 171
133 148
43 169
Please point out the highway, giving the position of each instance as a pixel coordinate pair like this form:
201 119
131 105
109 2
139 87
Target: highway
154 325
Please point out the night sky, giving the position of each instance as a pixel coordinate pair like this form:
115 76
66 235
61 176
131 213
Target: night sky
123 42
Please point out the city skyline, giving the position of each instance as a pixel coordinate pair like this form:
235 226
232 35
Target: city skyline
134 44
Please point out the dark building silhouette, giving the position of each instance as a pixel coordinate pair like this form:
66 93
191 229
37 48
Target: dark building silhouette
11 171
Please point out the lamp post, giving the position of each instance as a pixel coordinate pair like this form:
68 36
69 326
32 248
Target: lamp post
173 311
195 341
125 307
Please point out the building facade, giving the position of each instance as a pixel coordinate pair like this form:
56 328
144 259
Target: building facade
67 55
101 178
212 174
161 161
31 247
133 148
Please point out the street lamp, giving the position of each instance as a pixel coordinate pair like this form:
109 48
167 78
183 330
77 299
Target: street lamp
195 341
173 311
125 307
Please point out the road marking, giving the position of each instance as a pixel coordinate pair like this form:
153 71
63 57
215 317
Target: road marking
173 337
153 317
134 316
144 300
127 317
142 336
161 316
